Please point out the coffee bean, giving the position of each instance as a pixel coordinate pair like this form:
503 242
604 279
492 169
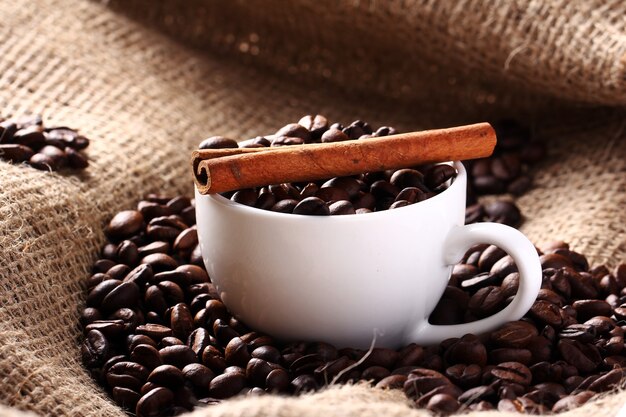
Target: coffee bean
287 141
125 224
199 375
124 295
584 357
438 175
486 301
236 352
153 403
146 355
160 262
443 404
572 401
100 291
125 398
516 334
154 331
127 374
546 312
181 321
312 206
468 349
586 309
227 385
422 380
317 125
218 142
505 212
295 130
15 153
168 376
94 349
302 384
514 372
464 376
178 355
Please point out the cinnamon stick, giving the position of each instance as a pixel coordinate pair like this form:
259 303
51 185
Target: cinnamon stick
221 170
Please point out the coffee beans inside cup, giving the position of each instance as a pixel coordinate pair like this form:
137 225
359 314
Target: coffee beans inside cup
359 194
47 148
160 341
375 191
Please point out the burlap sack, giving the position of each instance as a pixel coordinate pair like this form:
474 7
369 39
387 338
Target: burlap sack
146 101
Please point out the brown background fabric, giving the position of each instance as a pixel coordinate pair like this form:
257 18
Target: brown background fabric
146 100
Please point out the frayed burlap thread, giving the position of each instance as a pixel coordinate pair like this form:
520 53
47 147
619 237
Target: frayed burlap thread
146 101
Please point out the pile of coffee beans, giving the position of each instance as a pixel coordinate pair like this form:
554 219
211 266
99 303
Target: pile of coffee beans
161 342
359 194
27 140
507 171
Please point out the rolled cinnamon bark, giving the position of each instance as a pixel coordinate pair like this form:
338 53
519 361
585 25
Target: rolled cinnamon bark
221 170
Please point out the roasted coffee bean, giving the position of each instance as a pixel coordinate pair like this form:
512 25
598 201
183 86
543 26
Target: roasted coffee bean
546 312
513 372
317 125
468 349
295 130
218 142
341 207
95 348
572 401
227 385
516 334
118 271
153 403
100 291
110 328
125 398
287 141
199 375
465 376
237 352
302 384
332 194
438 175
154 331
15 153
178 355
421 380
124 295
392 382
313 206
127 374
486 301
167 376
181 321
505 212
333 371
586 309
584 357
146 355
443 404
160 262
125 224
213 359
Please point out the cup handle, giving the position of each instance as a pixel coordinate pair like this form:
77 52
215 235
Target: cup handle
525 255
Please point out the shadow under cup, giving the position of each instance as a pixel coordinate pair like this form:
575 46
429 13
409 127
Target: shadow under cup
339 279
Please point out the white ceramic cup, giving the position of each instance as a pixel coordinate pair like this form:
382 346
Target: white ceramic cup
347 279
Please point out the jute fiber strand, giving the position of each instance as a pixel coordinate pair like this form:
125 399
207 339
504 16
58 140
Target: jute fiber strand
146 101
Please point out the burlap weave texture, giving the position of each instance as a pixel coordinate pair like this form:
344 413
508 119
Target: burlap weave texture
146 101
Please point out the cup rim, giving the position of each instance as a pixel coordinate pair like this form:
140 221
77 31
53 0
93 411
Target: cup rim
254 211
